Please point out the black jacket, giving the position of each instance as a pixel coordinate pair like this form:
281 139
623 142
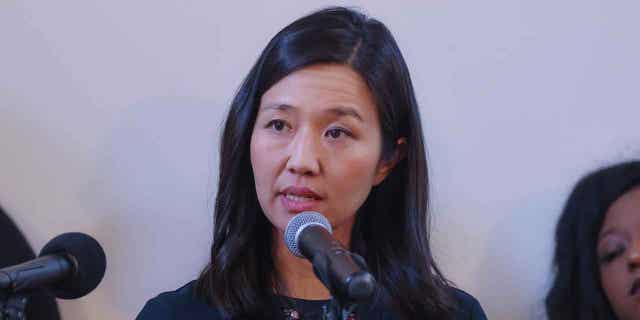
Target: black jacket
182 304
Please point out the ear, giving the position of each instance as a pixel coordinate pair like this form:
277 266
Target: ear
386 165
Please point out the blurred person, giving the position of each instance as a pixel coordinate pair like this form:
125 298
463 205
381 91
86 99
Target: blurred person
597 248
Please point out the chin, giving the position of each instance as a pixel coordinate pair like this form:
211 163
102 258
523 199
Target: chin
280 220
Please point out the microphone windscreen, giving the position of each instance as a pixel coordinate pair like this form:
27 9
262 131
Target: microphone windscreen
90 262
298 223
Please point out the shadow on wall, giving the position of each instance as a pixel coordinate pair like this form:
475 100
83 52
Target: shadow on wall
513 270
152 198
29 138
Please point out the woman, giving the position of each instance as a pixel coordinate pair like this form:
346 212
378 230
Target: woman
325 121
597 255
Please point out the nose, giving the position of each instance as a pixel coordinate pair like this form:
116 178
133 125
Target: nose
303 154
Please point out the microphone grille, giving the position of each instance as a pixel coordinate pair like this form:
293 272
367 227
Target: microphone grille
299 223
90 267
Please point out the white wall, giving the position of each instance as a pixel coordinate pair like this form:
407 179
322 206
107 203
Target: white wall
110 113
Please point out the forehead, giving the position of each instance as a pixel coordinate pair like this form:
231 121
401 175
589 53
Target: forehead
624 213
324 85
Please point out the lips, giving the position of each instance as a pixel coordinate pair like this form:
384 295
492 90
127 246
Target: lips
635 287
301 192
298 199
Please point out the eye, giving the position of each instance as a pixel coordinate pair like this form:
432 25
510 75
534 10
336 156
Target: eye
277 125
611 255
335 133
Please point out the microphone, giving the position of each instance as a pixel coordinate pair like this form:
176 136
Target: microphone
70 266
308 235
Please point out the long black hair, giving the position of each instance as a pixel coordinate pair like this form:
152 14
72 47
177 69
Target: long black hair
577 292
391 229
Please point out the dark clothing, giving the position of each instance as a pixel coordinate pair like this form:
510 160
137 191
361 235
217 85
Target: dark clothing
182 304
14 249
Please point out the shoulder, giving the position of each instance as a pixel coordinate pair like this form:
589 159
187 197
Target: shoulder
468 306
178 304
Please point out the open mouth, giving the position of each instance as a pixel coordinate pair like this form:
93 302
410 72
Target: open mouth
299 194
635 287
299 199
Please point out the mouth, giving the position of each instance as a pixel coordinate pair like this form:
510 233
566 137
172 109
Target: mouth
299 199
635 287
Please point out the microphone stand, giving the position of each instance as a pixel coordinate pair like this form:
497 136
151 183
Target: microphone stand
342 306
338 311
12 306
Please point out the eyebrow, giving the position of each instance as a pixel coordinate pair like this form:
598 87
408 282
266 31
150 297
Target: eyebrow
277 106
607 232
340 111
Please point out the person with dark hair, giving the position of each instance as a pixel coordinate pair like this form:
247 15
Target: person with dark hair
14 249
326 121
597 248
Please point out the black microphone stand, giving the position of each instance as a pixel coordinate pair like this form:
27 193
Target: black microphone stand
12 306
335 310
342 306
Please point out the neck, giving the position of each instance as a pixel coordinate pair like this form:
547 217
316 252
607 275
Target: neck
297 279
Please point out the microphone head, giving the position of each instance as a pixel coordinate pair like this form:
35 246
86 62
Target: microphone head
89 261
299 223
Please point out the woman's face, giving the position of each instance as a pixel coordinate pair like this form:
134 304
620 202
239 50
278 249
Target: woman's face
619 255
316 145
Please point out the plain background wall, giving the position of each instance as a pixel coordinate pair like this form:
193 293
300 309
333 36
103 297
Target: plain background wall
110 113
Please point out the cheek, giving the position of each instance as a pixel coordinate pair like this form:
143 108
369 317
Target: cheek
351 181
614 284
261 166
352 174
